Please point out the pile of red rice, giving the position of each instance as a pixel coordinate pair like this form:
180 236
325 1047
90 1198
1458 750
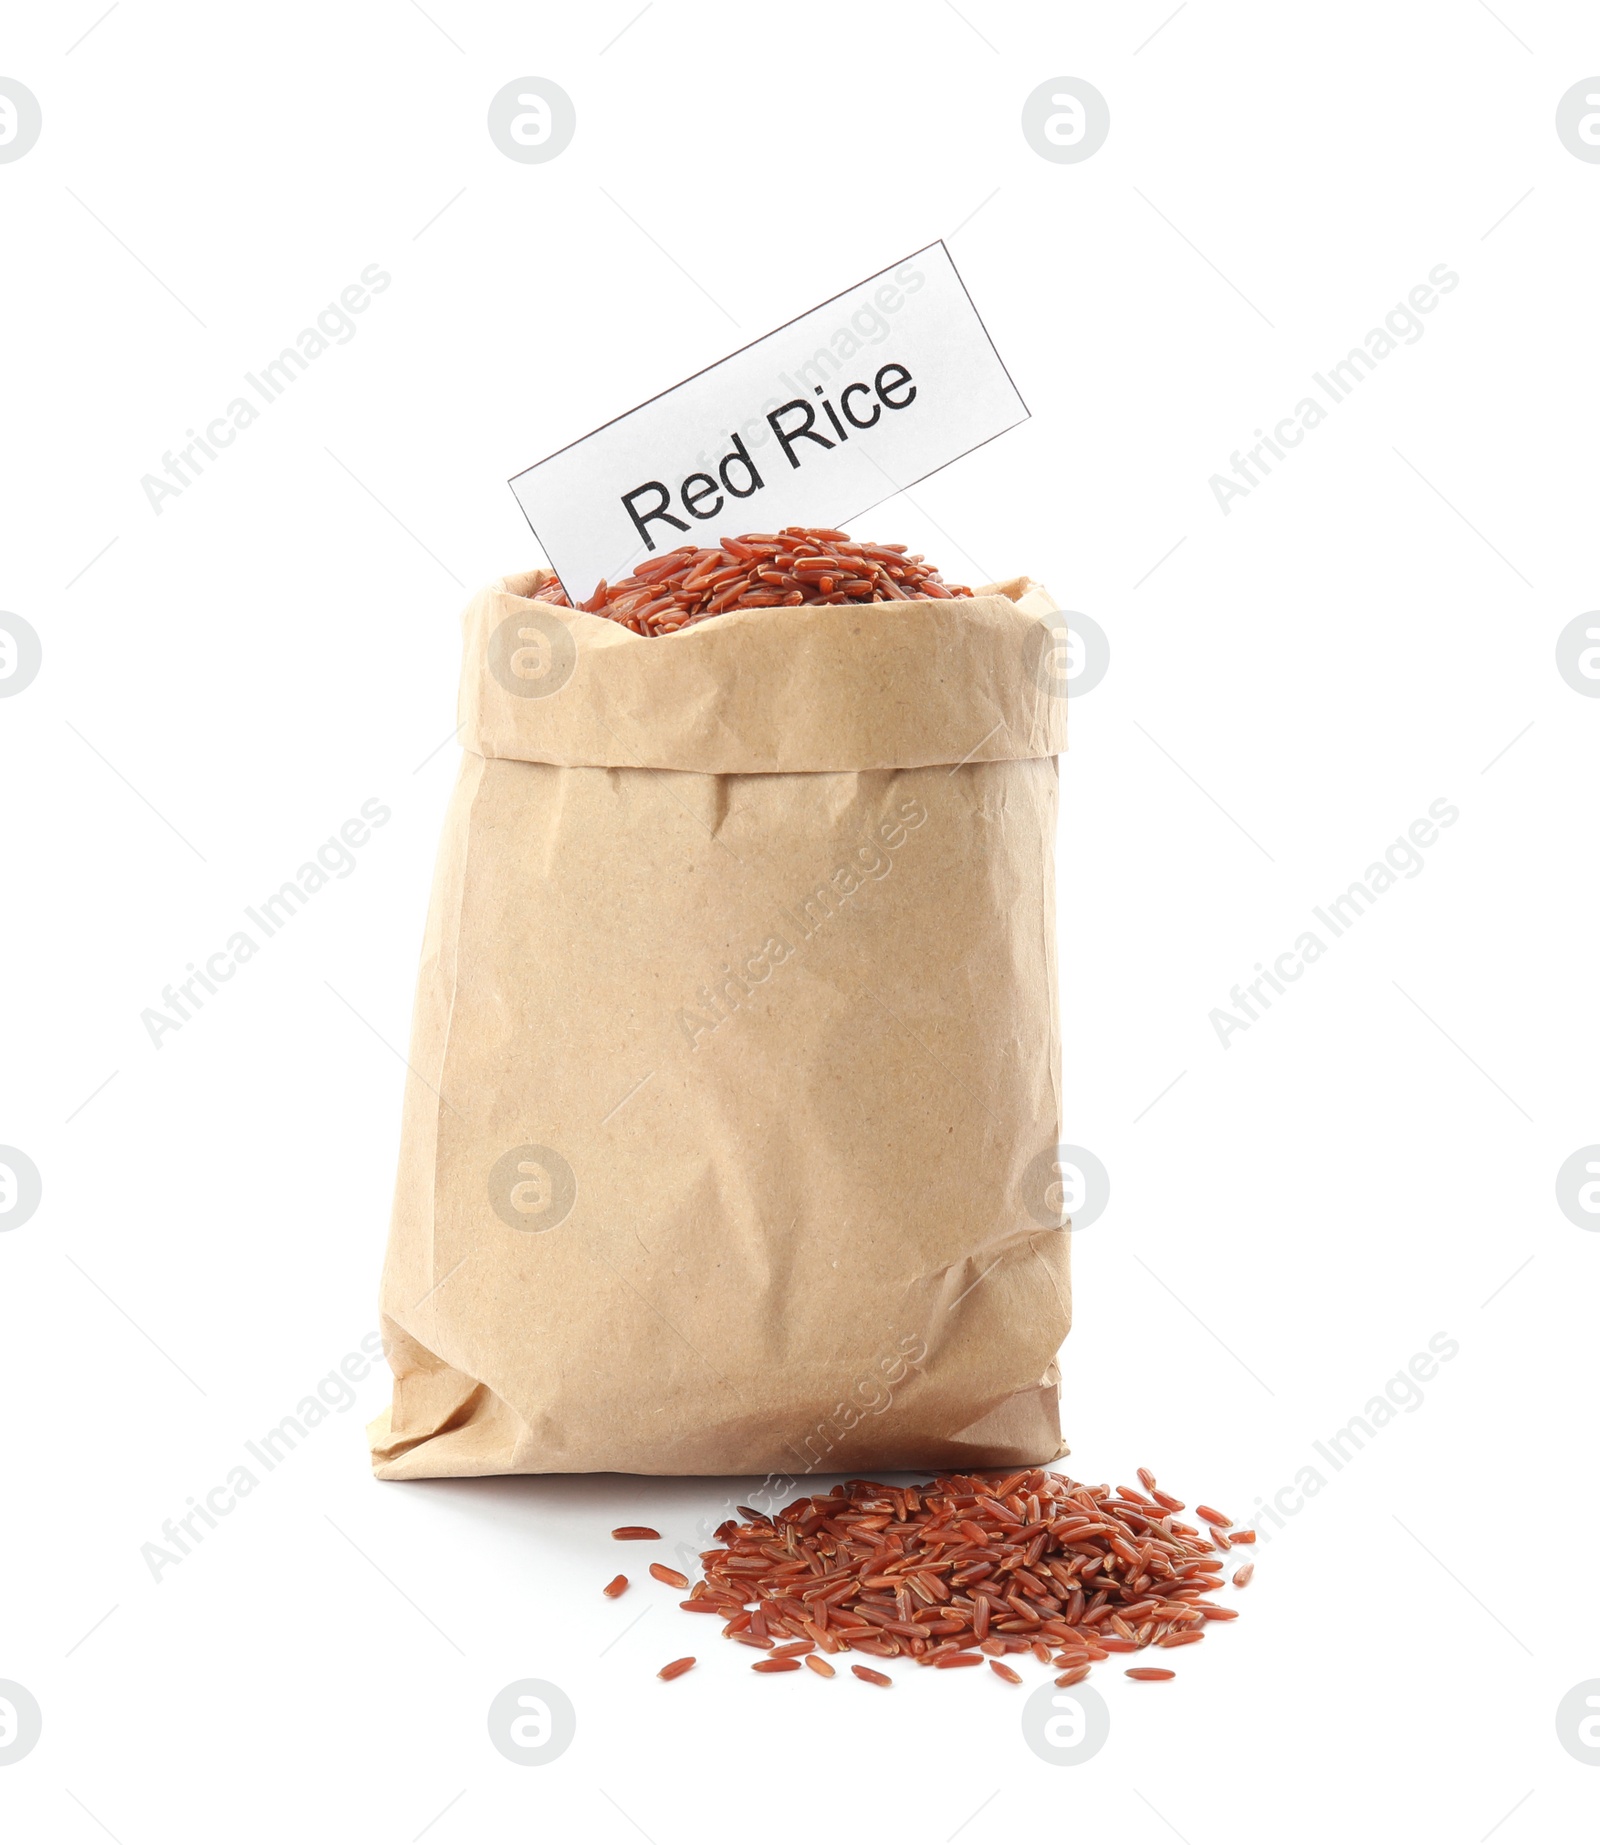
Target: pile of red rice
789 569
964 1569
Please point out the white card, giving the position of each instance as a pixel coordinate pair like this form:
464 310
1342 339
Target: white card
812 425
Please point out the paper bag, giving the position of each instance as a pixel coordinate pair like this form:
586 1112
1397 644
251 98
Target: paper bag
729 1142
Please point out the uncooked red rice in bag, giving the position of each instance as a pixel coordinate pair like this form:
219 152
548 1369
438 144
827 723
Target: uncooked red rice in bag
729 1141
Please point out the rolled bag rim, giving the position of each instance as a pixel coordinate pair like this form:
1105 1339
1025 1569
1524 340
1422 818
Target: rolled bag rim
816 689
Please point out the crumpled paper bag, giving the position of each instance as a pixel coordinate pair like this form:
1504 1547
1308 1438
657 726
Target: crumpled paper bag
729 1142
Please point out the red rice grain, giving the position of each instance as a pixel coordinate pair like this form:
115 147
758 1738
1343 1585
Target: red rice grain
1075 1677
635 1531
1148 1672
1242 1576
676 1668
964 1568
1212 1516
775 1665
615 1587
674 1579
796 567
819 1665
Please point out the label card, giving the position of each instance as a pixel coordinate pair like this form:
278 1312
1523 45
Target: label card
812 425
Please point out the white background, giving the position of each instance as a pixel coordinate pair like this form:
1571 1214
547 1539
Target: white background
1374 628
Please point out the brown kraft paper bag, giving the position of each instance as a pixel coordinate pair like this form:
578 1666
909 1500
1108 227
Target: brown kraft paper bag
728 1144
